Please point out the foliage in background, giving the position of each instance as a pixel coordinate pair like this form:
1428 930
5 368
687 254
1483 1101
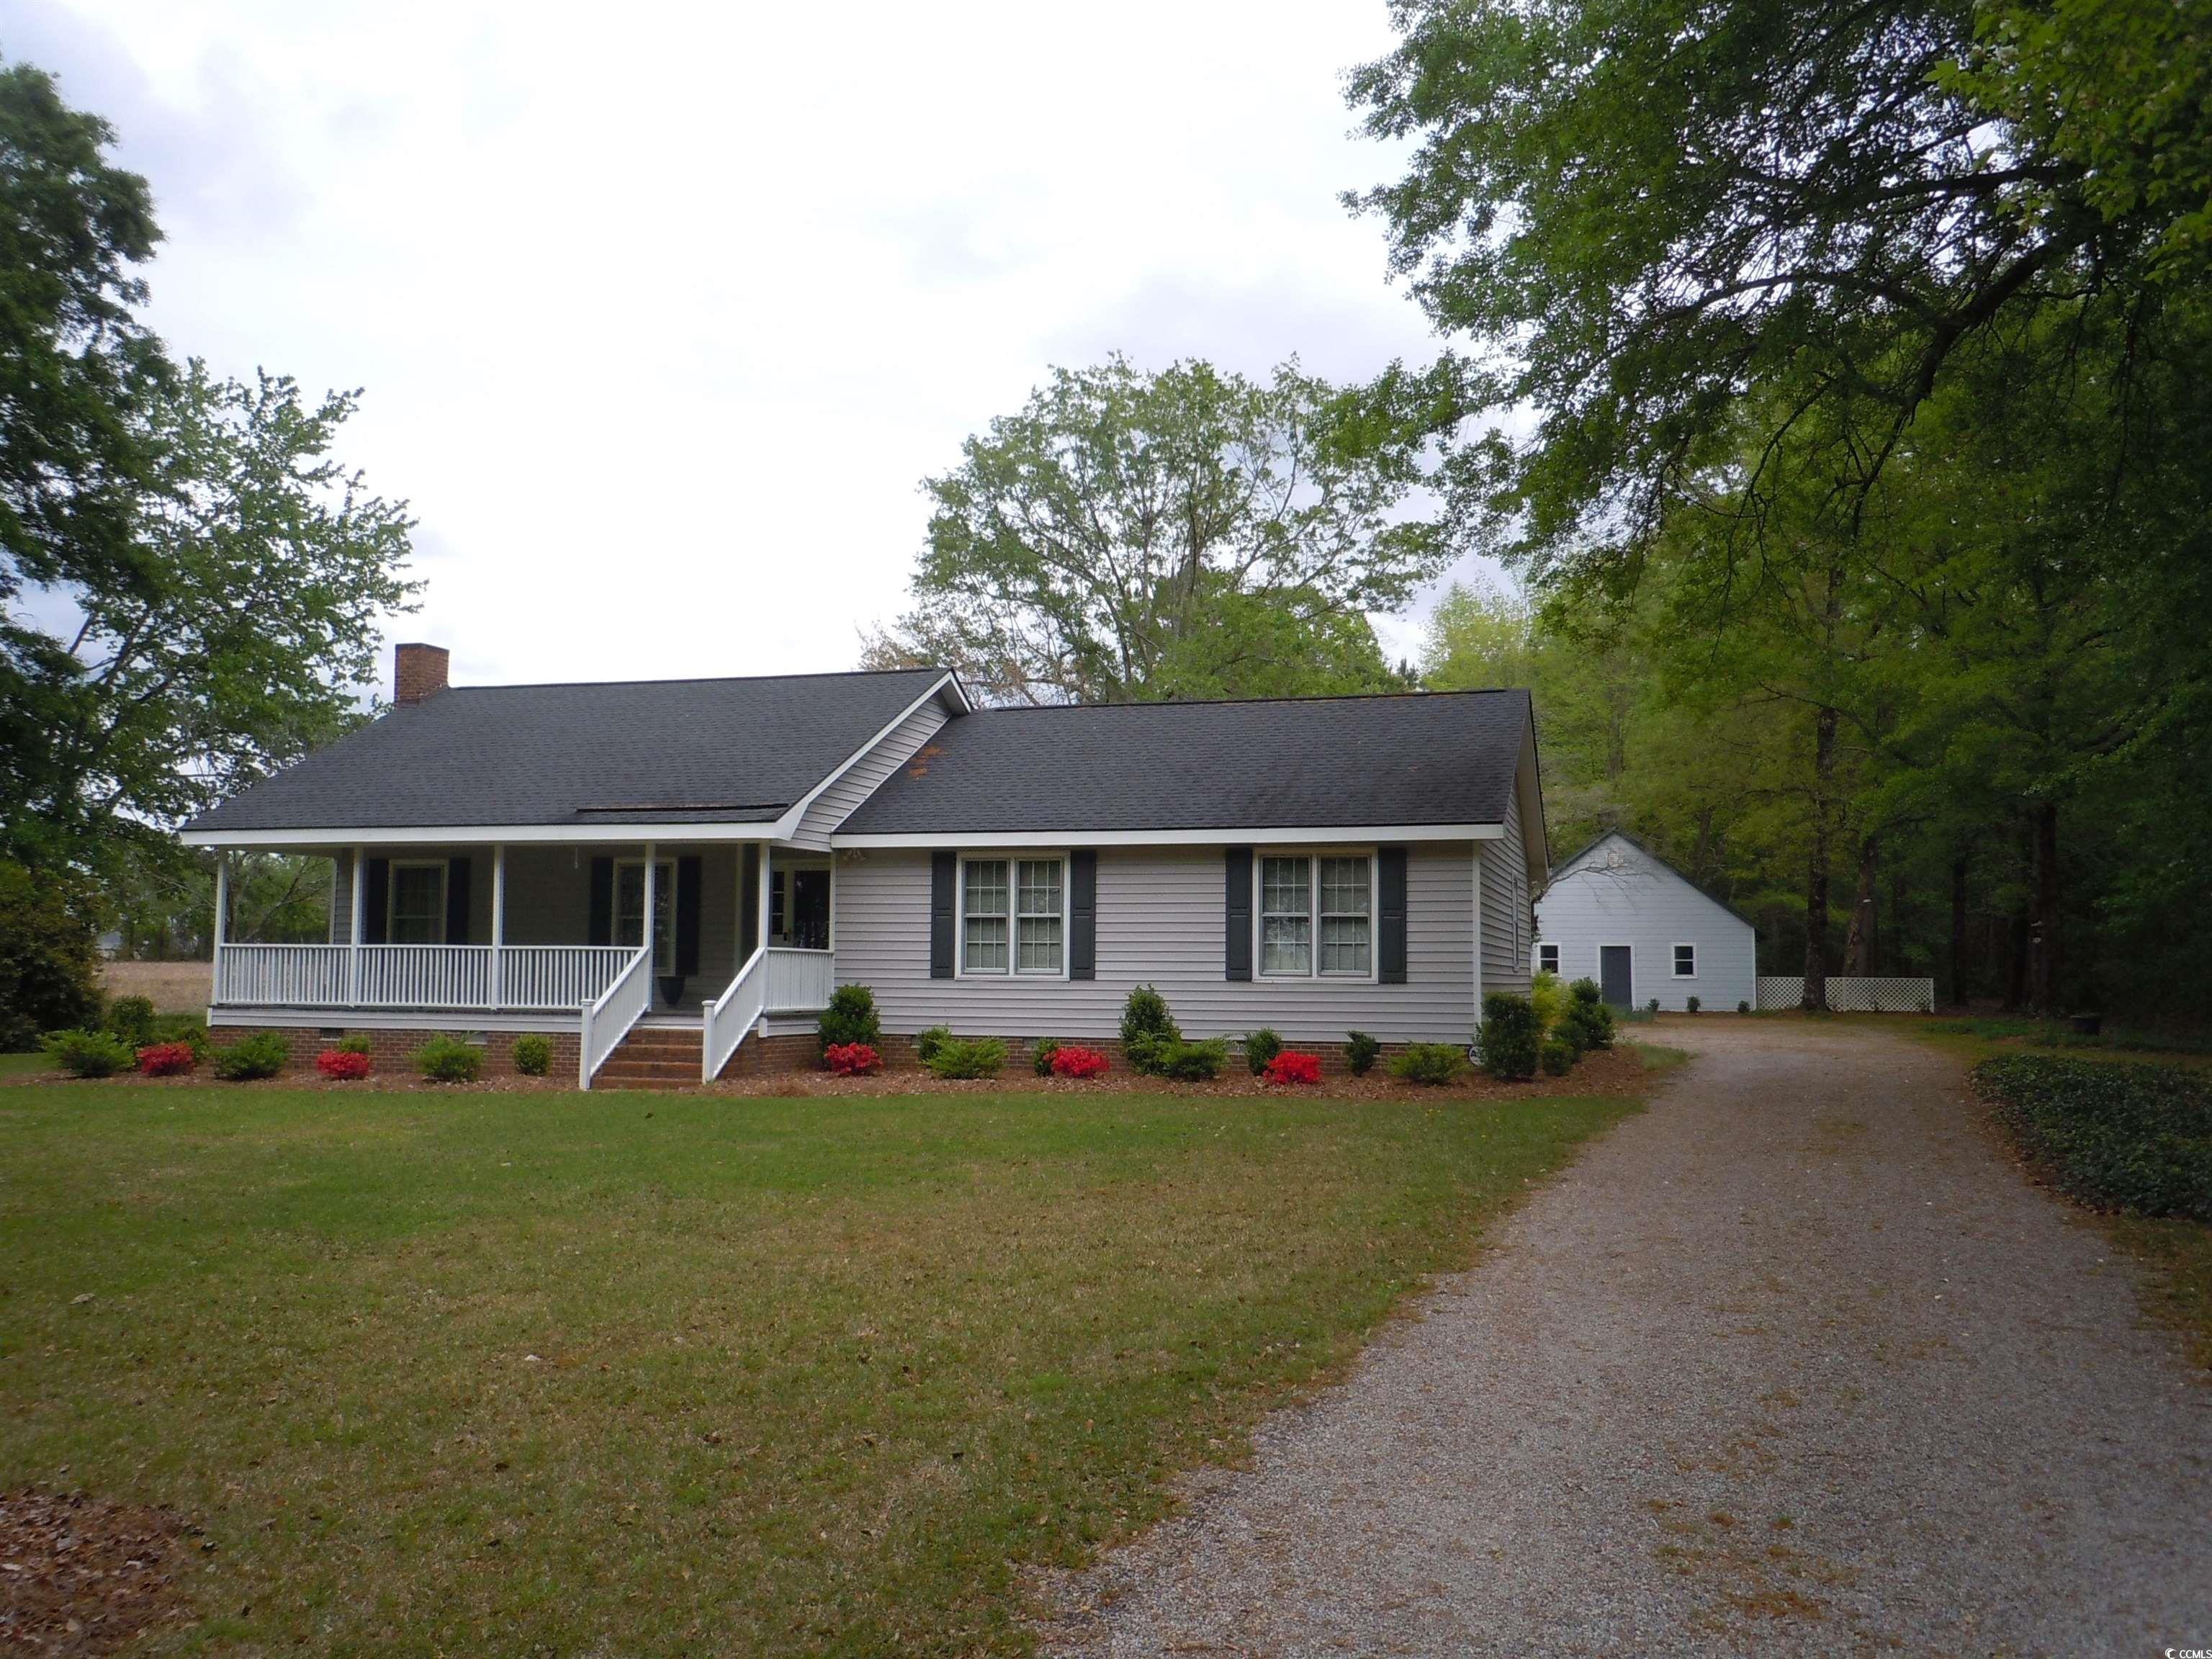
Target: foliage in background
1190 533
49 965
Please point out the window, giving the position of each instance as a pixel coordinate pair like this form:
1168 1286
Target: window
1686 962
630 909
1013 916
1337 890
1547 958
417 915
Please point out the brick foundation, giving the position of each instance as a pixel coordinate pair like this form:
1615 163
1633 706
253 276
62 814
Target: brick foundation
391 1051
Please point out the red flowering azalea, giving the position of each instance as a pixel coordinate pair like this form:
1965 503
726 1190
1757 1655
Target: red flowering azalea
1078 1062
342 1064
167 1059
1291 1066
852 1059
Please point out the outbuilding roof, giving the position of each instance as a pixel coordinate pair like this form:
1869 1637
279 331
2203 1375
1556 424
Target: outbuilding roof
637 752
1438 757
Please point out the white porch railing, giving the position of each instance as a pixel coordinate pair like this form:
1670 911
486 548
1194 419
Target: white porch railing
724 1021
607 1021
281 975
799 982
532 978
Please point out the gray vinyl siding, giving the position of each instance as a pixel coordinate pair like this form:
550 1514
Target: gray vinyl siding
1508 950
1160 921
835 803
1643 904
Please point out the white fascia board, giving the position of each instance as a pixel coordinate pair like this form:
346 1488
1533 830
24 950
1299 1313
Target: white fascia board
481 835
1234 835
787 825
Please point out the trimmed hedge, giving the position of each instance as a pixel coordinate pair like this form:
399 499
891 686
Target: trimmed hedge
850 1018
1507 1042
89 1054
2136 1139
1433 1063
1360 1051
1260 1047
251 1058
967 1057
446 1058
533 1053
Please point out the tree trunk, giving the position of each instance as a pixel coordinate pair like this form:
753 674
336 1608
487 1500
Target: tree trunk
1860 943
1815 999
1958 931
2015 991
2043 988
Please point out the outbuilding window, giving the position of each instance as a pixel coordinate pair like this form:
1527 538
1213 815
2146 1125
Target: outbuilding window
1686 962
1013 916
1547 958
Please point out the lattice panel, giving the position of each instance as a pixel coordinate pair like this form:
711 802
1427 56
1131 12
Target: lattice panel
1853 996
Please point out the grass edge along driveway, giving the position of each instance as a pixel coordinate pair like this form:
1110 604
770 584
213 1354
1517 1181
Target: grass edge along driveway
665 1374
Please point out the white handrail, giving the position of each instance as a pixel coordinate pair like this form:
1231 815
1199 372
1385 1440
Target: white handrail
533 977
727 1019
606 1022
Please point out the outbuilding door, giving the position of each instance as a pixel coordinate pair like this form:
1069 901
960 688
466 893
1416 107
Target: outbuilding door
1616 979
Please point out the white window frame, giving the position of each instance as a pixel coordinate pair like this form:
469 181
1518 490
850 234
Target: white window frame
392 896
1013 859
1558 956
1674 958
1314 973
664 884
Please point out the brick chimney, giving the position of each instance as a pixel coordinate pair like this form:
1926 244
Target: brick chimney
417 672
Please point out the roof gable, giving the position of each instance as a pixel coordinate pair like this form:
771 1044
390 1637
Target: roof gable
1589 856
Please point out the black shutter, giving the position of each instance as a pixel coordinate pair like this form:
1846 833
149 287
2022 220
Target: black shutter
375 902
601 928
749 902
944 872
1236 942
1083 915
687 914
457 901
1390 944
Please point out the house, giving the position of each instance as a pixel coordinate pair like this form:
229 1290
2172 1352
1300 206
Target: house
1314 865
1619 913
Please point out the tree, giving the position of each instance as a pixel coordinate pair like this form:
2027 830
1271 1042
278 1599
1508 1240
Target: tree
1189 533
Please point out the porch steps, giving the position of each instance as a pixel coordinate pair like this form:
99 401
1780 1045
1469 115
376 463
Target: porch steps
653 1057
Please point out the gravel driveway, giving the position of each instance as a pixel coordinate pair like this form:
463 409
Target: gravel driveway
1796 1362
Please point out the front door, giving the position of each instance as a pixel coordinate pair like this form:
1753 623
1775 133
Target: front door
1615 980
809 909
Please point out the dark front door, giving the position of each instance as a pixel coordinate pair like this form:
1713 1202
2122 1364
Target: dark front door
809 909
1614 978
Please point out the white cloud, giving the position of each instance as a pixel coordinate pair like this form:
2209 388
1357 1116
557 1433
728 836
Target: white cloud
663 312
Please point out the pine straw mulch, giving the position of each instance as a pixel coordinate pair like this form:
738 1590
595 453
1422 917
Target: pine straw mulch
79 1575
1606 1072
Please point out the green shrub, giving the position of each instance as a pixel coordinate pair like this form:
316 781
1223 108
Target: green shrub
2132 1138
1507 1042
1360 1051
1174 1057
533 1053
967 1057
1693 1005
132 1018
90 1053
251 1058
1557 1057
1652 1006
1432 1063
1743 1007
927 1043
445 1059
187 1028
355 1042
1145 1015
1040 1054
1587 1023
48 961
1260 1047
1551 1000
851 1017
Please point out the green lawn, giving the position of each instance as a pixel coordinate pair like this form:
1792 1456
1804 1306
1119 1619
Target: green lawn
630 1374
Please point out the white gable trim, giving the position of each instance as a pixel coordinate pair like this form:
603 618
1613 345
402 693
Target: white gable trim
787 825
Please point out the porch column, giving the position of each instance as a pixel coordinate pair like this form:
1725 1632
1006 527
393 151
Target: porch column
762 941
353 934
650 850
220 931
498 914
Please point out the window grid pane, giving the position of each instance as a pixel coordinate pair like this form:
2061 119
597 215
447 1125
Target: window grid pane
1285 945
1039 944
1686 962
1547 958
987 945
1284 887
984 926
1346 926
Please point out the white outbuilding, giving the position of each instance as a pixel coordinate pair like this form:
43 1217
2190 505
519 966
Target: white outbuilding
1619 913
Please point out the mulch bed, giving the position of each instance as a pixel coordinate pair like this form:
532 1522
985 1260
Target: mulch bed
81 1575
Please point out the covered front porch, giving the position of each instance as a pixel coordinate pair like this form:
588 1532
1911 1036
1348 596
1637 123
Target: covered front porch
548 936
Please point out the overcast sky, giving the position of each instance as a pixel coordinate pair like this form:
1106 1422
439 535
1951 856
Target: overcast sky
661 312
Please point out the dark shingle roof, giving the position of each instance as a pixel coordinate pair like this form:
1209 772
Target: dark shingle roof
640 751
1433 758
